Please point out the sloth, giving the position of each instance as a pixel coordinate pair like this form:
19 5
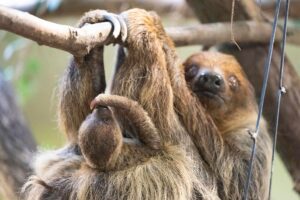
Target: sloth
191 159
223 89
101 134
132 145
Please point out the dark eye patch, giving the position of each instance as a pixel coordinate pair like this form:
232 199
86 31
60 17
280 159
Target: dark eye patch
233 82
191 71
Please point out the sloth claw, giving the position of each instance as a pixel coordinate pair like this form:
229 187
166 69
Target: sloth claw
98 16
112 18
123 28
119 25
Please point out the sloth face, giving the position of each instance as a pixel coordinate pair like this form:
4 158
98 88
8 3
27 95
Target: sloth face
219 82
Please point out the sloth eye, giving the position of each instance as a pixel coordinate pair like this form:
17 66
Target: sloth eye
191 71
233 82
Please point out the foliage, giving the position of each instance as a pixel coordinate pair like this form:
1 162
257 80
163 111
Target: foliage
21 73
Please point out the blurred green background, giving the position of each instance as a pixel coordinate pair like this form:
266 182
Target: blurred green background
35 71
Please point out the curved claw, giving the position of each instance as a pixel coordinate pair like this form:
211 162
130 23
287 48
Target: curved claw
113 18
93 104
120 27
123 28
98 16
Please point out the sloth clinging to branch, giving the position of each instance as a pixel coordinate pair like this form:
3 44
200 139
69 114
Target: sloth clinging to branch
129 147
150 74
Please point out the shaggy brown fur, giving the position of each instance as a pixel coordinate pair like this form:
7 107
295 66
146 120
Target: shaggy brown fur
100 134
222 87
151 74
136 172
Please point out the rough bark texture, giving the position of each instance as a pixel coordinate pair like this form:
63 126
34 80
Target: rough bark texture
252 58
16 144
219 33
74 40
79 41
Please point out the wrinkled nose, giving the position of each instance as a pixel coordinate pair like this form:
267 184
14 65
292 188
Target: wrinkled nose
210 81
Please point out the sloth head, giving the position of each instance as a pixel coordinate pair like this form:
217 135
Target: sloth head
220 84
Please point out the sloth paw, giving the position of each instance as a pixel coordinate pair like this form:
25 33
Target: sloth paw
98 16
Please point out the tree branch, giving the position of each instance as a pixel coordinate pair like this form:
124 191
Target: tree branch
79 41
74 40
218 33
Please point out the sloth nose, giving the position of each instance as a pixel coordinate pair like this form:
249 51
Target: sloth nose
210 81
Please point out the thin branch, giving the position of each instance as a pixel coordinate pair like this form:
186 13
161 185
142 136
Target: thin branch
218 33
79 41
231 26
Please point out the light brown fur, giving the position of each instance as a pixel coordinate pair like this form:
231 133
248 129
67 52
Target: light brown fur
101 134
151 75
234 111
173 172
237 97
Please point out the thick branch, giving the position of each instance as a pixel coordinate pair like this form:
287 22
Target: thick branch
74 40
252 58
80 41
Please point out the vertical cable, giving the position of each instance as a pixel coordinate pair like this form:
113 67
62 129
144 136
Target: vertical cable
262 98
281 91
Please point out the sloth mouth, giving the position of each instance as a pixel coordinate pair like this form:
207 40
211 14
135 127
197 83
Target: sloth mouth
210 95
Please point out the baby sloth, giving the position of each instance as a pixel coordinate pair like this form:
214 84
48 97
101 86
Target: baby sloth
222 88
101 134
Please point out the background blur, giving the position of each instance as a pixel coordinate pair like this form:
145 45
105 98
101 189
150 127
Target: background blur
35 71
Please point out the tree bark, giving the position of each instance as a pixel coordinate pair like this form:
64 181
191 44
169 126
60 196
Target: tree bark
16 144
252 58
74 40
78 41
